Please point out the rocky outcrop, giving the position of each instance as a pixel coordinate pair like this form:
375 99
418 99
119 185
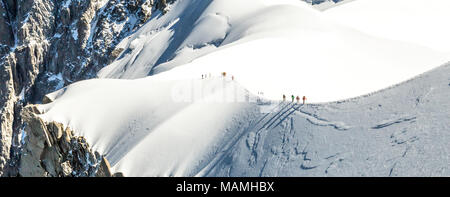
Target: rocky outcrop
104 170
51 150
47 44
6 116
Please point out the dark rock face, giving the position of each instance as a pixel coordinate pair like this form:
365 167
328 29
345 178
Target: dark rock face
104 169
50 150
48 44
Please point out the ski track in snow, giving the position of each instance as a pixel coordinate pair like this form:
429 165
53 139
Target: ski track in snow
314 119
392 122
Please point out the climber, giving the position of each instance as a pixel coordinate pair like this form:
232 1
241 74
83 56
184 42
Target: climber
284 97
292 98
298 99
304 99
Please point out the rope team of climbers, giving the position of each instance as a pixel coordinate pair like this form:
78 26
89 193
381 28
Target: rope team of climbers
296 98
224 74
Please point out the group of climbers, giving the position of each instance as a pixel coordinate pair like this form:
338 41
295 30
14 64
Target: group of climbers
204 76
224 74
297 98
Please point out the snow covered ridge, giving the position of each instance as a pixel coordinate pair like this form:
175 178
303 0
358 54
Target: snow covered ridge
398 132
293 48
168 119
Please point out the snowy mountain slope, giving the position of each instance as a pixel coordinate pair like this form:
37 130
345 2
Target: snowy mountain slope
317 52
173 123
401 131
423 22
128 119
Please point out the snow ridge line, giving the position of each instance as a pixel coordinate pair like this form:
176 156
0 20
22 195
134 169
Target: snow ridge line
417 77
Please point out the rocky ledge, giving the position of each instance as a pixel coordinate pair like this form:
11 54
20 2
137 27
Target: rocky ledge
51 150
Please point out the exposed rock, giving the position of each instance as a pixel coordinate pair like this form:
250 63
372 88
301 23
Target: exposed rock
66 169
50 150
7 100
46 45
46 100
37 136
118 174
104 169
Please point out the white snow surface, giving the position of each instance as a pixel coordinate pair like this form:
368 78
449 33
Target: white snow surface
159 118
279 47
128 119
421 22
